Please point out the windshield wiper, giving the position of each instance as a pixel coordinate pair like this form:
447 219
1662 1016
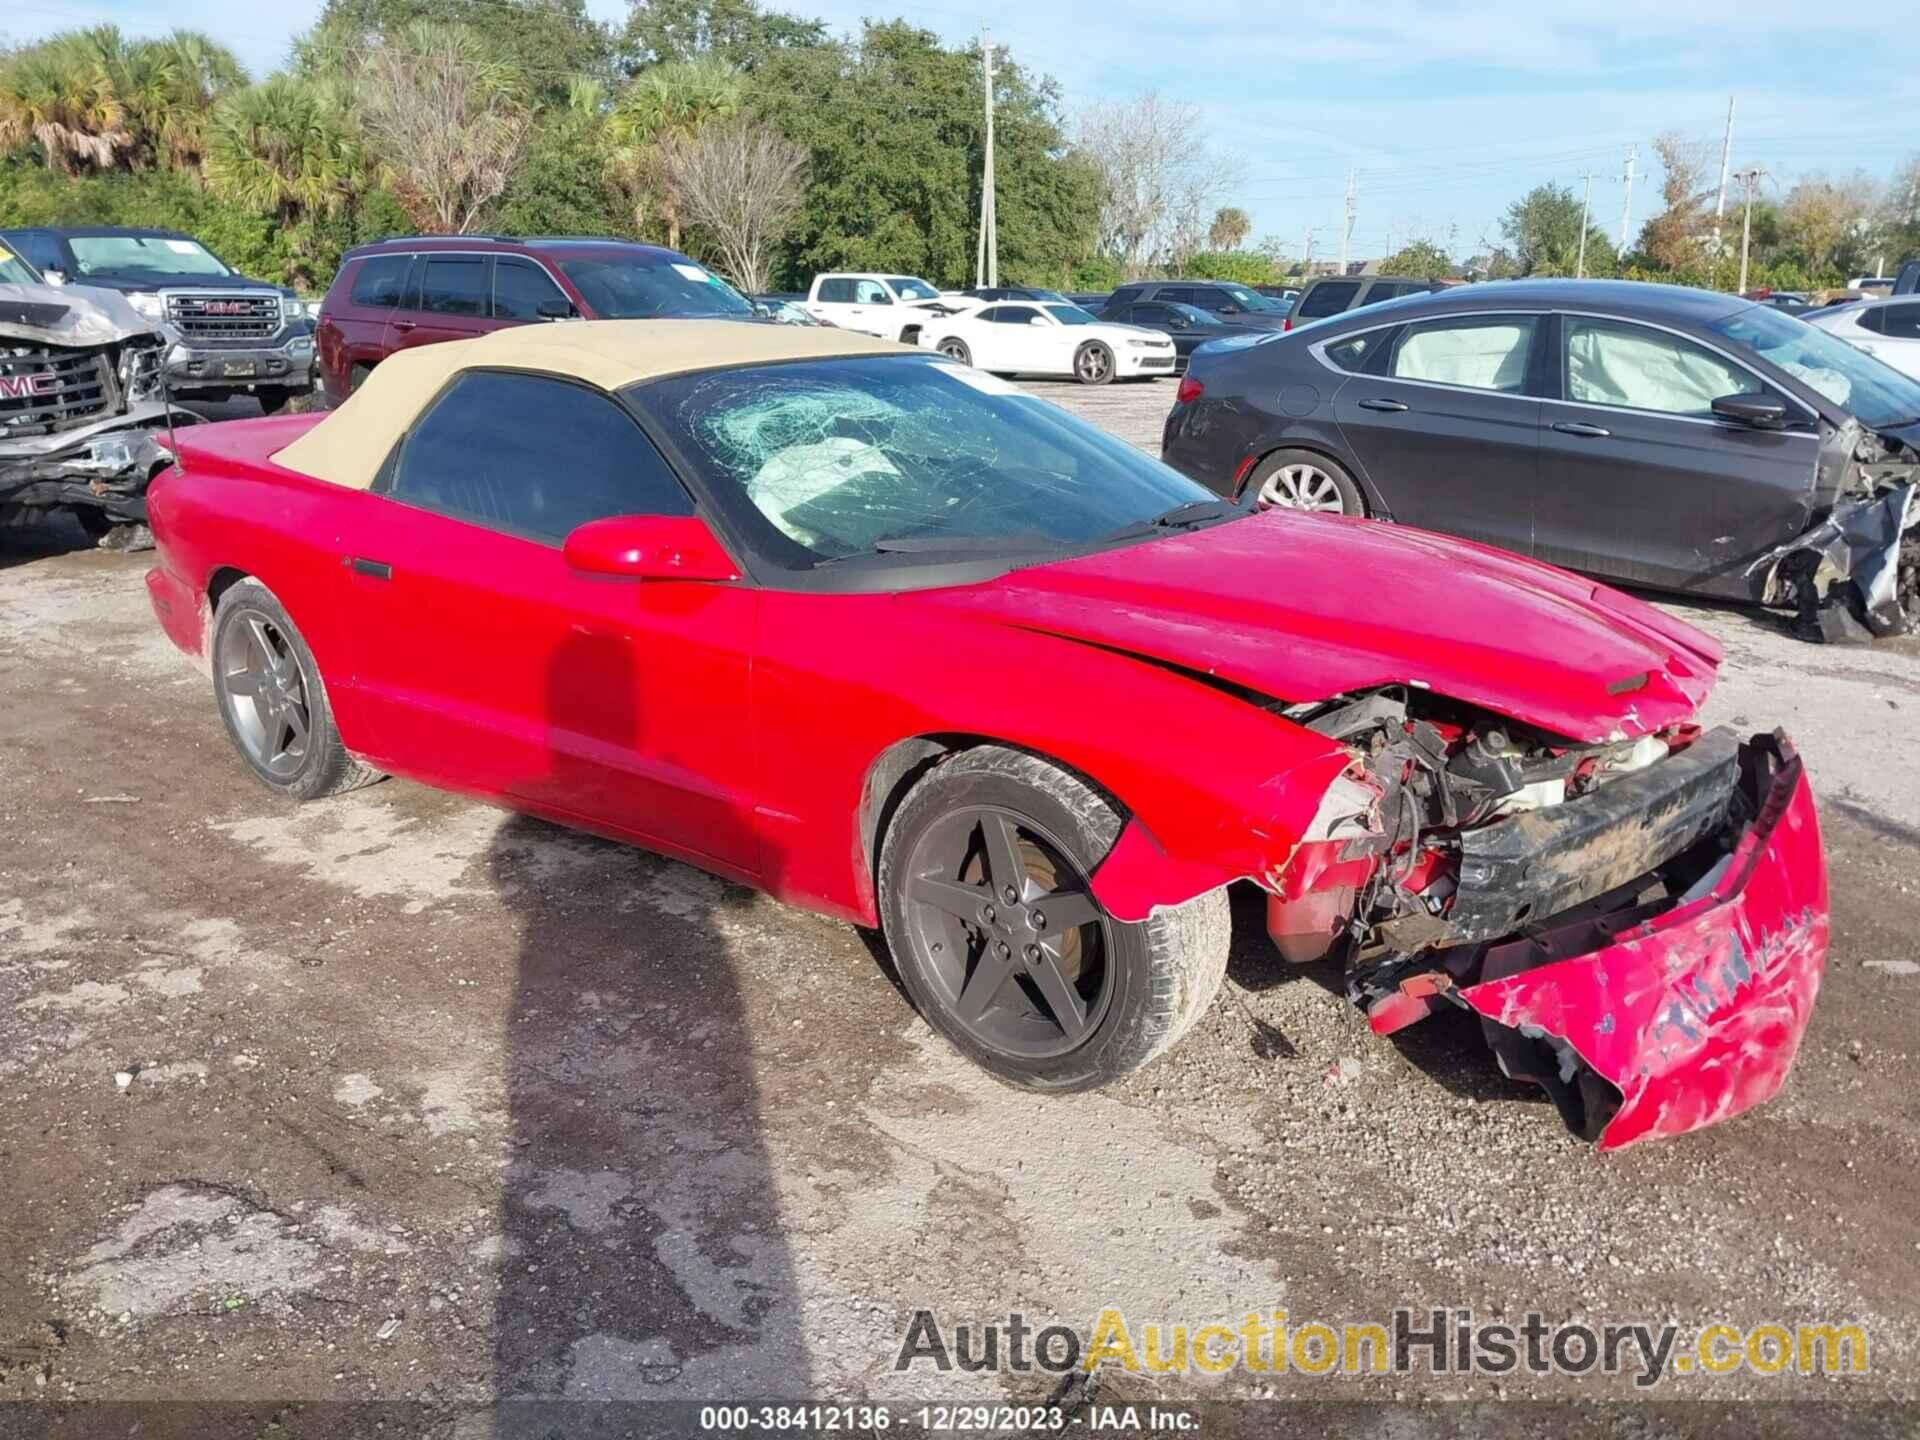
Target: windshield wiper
1181 517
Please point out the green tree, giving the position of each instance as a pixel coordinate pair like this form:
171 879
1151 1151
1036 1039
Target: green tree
665 106
1543 234
1422 259
738 32
545 42
92 100
911 204
564 187
1241 266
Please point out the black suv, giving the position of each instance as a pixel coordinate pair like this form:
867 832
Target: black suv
1240 306
1907 281
1335 294
228 334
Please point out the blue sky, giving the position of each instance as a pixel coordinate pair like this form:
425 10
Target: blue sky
1448 111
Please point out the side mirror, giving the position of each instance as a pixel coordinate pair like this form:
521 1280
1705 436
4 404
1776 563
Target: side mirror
649 547
1229 309
1763 412
54 276
556 310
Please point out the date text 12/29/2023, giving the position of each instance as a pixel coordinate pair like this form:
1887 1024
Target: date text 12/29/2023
935 1419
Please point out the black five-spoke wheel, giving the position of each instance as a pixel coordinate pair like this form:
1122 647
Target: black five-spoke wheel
989 909
1008 931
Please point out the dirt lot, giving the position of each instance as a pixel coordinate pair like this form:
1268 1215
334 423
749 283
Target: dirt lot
396 1096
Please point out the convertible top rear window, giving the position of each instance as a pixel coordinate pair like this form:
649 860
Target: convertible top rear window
823 459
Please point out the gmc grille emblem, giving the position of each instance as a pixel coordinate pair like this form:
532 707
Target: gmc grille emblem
229 307
24 387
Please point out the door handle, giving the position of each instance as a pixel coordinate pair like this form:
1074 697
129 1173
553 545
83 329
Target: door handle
1390 406
1581 428
374 569
403 324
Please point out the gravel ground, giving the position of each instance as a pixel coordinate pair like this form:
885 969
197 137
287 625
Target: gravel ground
396 1096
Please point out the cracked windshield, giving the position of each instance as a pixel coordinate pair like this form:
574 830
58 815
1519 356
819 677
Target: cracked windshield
842 457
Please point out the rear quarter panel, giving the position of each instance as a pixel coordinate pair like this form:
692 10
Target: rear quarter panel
227 507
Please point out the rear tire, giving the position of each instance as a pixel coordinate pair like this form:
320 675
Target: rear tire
273 701
1303 480
1068 1008
357 377
956 351
1093 364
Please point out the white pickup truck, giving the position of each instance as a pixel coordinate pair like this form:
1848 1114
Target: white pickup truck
893 307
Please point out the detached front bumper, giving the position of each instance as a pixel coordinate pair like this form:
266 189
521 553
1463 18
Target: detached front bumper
1689 1015
286 363
104 466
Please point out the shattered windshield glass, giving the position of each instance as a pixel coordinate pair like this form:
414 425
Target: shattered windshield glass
1852 379
823 459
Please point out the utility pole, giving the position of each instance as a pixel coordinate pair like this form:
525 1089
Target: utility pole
1306 262
1749 178
1586 204
1346 232
986 268
1626 210
1726 157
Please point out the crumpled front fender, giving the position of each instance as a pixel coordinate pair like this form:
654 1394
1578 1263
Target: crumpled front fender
1859 541
1695 1015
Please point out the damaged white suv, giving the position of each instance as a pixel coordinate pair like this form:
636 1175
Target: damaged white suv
83 415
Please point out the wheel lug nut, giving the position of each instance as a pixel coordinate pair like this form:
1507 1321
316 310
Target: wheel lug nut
988 914
1033 954
1003 949
1037 920
1011 894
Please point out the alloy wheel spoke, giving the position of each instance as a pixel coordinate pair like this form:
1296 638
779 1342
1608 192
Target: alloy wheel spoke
1065 911
963 902
244 685
1004 867
1062 999
988 978
296 722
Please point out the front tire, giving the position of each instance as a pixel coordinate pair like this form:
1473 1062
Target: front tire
273 398
1302 480
1003 947
1093 364
273 701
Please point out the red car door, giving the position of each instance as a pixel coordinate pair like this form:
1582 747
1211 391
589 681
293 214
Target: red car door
483 662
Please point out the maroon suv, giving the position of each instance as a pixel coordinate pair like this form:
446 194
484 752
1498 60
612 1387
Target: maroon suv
423 290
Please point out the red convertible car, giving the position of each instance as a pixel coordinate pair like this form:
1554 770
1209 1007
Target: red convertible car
884 636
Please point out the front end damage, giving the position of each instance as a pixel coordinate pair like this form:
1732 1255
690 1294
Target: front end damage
83 415
1855 574
1640 924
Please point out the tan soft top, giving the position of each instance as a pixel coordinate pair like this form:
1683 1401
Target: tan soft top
350 445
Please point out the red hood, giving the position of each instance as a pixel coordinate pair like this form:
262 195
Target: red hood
1301 607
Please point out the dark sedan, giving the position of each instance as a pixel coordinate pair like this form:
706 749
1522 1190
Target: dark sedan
1187 326
1661 436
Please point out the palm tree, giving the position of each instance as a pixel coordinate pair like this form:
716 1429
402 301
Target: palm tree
90 98
282 146
665 105
60 93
